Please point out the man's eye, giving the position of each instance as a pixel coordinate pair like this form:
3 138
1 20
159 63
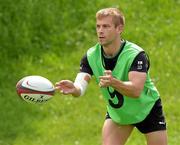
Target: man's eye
105 26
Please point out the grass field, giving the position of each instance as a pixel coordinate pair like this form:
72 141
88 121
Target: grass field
48 38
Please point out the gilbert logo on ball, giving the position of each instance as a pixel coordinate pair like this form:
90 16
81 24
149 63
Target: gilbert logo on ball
35 89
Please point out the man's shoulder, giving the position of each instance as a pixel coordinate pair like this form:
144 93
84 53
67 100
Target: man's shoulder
132 46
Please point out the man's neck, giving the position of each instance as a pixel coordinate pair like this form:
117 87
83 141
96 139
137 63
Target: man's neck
112 49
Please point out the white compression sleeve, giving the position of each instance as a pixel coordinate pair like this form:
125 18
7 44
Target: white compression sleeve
80 82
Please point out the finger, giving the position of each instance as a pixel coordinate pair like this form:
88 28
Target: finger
107 72
103 82
62 91
66 92
102 85
104 77
59 90
57 83
57 87
62 82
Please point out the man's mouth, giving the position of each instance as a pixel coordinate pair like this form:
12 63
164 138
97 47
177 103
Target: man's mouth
101 37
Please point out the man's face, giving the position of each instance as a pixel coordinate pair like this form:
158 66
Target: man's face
106 31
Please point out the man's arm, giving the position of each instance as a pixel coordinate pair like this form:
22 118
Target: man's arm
136 75
76 88
67 87
131 88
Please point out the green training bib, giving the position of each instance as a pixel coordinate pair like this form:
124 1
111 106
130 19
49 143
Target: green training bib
123 109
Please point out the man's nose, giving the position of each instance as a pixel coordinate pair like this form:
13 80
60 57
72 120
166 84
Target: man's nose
100 30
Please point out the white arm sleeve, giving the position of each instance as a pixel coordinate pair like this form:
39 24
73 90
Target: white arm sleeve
80 82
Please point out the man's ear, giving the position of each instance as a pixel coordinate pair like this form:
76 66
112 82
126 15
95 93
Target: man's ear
120 28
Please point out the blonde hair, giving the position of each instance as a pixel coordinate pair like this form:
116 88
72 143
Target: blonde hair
117 15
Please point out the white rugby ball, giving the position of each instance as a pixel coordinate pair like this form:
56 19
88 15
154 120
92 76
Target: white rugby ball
35 89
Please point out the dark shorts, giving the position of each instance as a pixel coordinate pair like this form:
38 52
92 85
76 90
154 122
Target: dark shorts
155 121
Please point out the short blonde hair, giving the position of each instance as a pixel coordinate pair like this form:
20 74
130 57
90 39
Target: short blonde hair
117 15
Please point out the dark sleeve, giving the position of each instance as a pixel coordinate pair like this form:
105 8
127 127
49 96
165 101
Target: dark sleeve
84 65
140 63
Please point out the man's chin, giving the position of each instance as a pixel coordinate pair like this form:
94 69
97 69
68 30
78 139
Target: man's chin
103 43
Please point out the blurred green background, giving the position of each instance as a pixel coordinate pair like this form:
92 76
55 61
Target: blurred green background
48 38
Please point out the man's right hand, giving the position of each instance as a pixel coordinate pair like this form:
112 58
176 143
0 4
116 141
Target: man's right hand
67 87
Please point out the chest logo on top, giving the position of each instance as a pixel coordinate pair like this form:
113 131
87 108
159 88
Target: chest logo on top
139 65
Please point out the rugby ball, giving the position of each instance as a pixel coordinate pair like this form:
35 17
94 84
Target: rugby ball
35 89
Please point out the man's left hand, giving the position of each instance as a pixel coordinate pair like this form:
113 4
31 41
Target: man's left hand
106 79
